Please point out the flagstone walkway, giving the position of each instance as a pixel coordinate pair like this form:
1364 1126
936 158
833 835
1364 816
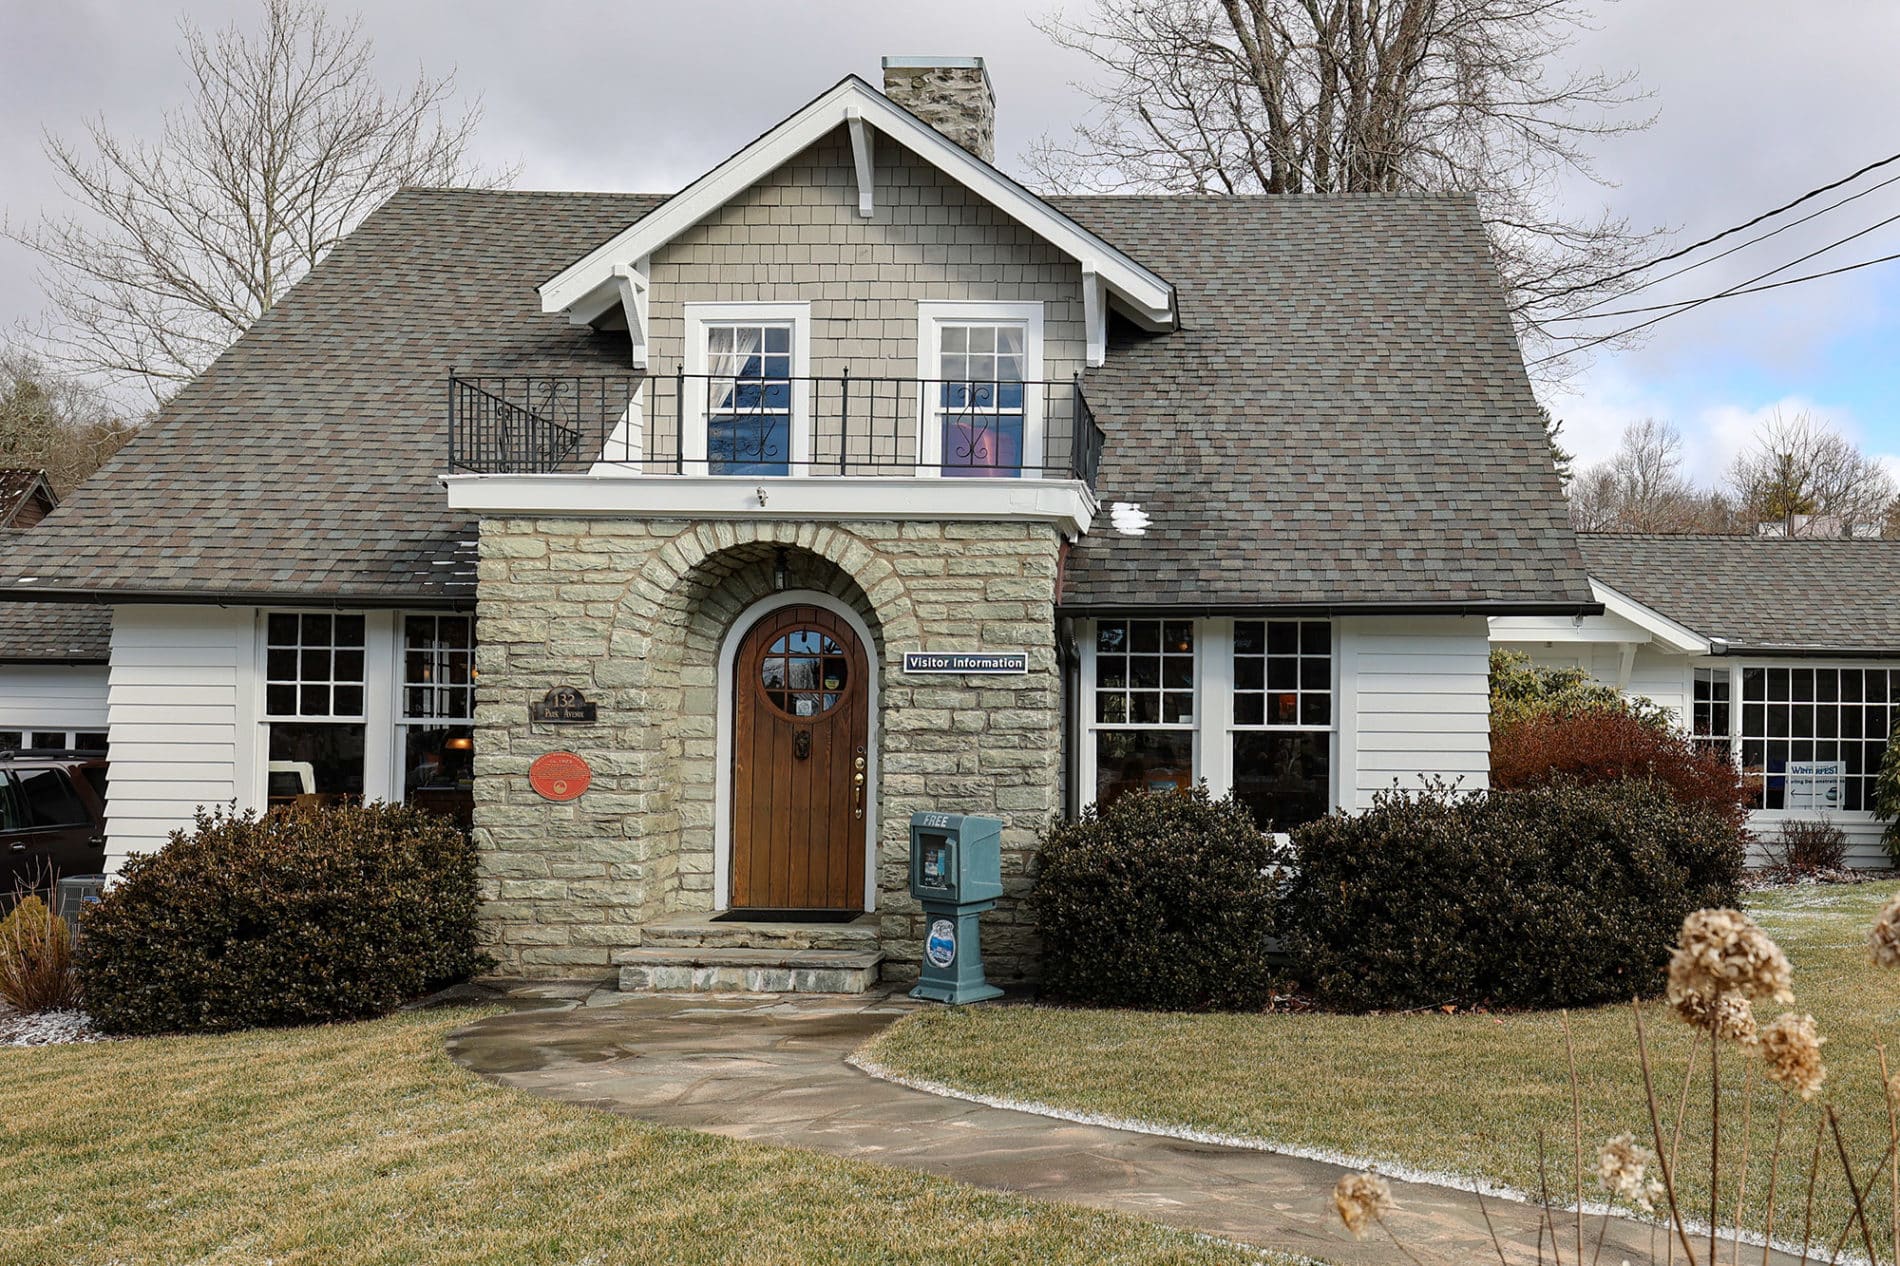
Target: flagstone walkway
773 1070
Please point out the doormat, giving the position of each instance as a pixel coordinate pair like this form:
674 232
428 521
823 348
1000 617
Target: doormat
788 916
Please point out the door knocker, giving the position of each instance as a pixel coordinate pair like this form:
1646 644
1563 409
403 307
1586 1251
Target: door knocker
801 744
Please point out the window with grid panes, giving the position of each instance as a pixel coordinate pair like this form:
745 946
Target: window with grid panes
1142 706
980 399
1283 720
1812 738
436 727
1710 715
313 701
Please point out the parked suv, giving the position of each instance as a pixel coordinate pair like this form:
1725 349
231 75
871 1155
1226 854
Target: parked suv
52 819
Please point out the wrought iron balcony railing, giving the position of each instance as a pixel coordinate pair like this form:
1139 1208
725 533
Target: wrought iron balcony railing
706 424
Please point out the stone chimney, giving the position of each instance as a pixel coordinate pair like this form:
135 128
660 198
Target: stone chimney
952 94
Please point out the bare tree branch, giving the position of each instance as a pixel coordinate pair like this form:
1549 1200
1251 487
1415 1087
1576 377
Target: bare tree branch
1342 96
178 245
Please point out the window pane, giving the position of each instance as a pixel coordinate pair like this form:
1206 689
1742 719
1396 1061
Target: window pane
53 740
90 741
281 629
49 799
1285 779
349 630
10 740
440 771
315 763
1145 760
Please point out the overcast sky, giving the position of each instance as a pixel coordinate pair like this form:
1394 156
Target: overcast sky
1758 100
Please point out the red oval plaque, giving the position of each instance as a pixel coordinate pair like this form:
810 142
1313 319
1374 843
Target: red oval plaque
559 776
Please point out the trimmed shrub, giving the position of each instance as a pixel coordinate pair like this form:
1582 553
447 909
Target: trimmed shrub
1160 900
36 959
1521 689
1598 746
1551 896
1806 848
295 917
1886 804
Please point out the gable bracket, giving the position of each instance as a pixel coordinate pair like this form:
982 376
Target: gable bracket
630 280
861 155
1095 313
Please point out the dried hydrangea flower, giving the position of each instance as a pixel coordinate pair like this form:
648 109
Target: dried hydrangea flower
1791 1049
1720 954
1361 1199
1729 1016
1884 940
1623 1170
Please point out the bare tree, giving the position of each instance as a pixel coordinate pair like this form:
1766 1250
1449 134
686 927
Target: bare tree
1349 96
1643 489
1807 479
179 244
55 424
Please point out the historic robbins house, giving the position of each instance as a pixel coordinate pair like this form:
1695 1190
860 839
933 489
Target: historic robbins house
1230 488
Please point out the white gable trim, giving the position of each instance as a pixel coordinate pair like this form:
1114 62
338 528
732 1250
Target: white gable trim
587 288
1665 631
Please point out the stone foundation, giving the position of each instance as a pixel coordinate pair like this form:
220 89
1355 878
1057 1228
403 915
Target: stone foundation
634 612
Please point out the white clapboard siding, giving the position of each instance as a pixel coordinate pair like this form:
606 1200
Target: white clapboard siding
1414 703
52 697
181 693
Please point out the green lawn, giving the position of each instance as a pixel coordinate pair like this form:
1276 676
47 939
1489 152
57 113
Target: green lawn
1467 1094
363 1143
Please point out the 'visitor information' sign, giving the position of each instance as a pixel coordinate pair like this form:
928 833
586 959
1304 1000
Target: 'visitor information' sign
990 663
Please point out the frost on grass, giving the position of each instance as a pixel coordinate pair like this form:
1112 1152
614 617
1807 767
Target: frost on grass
47 1028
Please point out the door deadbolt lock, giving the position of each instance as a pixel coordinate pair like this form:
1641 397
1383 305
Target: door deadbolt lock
801 744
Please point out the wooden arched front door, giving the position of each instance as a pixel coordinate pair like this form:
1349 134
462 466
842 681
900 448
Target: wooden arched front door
799 763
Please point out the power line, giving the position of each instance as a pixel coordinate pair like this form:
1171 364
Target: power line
1580 313
1691 304
1751 290
1729 232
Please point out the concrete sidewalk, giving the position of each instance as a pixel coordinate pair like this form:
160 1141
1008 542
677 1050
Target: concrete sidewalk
773 1070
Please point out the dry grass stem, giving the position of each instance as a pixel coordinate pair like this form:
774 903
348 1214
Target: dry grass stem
1774 1171
1853 1188
1892 1092
1576 1126
1741 1173
1682 1113
1715 1143
1492 1230
1655 1126
1814 1172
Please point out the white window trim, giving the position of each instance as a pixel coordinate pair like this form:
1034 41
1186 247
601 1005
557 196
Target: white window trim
381 645
398 685
932 315
1736 667
1213 727
699 318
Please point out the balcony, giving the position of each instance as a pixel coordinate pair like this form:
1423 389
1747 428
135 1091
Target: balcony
708 425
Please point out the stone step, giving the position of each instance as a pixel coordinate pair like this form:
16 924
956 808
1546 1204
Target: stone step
700 931
723 969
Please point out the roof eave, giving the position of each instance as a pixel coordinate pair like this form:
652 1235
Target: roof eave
1214 609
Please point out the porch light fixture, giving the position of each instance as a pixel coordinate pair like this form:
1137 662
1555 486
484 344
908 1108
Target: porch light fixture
459 743
780 579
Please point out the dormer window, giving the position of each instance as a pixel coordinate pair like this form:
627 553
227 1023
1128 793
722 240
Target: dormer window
746 408
982 399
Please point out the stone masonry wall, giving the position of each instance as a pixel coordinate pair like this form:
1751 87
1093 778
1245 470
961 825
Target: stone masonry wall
633 612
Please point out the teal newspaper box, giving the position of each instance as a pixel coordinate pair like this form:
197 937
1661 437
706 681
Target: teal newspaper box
956 873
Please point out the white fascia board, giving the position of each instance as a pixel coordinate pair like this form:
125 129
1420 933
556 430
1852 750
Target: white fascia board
1066 503
1569 630
1667 632
1143 294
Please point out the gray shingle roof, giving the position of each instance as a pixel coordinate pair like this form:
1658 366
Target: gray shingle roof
305 460
1343 419
17 486
1761 593
52 632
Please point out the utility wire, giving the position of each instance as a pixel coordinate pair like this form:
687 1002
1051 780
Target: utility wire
1691 304
1737 287
1586 311
1754 290
1729 232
